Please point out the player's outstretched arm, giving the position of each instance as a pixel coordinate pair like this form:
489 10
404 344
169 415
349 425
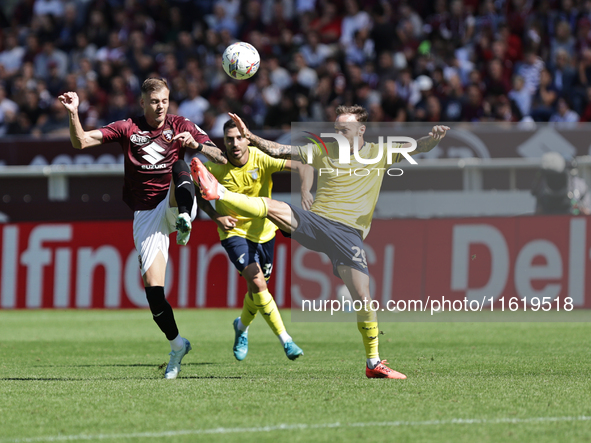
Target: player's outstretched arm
273 149
225 222
80 139
425 144
211 151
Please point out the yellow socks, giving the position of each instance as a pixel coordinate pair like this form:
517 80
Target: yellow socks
265 303
367 323
244 205
249 310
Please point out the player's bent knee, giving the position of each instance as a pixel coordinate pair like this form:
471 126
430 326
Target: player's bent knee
256 282
275 207
259 285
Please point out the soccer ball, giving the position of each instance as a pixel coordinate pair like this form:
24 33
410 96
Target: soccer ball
241 60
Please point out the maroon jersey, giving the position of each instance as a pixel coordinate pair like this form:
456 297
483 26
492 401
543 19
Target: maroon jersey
149 155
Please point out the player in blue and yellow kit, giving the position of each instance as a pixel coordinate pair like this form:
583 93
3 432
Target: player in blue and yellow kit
341 215
249 241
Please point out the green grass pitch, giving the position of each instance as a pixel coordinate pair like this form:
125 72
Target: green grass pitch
97 376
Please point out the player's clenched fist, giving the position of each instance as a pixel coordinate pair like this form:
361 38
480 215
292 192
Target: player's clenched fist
438 132
70 101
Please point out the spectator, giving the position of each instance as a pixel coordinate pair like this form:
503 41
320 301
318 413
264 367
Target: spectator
117 108
283 114
587 112
460 24
55 83
7 105
139 56
98 29
354 21
488 17
219 20
563 40
472 109
530 71
12 55
35 114
544 99
252 18
279 76
433 110
314 52
19 125
452 101
185 49
564 116
520 95
407 89
51 55
22 13
383 31
495 82
425 86
49 7
563 73
276 20
68 29
385 68
194 106
362 49
328 25
365 96
306 76
583 34
408 15
83 50
113 51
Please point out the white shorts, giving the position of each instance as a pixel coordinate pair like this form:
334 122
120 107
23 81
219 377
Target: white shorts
151 229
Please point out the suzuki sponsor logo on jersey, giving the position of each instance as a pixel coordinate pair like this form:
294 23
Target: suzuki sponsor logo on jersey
167 133
137 139
153 156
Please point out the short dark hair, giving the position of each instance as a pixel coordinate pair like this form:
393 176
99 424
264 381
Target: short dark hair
154 84
359 112
231 124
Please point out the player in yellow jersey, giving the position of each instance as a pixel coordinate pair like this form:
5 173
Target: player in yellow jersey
340 217
249 241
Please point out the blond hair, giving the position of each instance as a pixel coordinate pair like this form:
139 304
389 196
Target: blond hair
359 112
154 84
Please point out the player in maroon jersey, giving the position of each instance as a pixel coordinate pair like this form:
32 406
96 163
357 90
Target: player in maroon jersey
154 149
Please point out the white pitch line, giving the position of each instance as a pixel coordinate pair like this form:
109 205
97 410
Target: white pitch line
301 427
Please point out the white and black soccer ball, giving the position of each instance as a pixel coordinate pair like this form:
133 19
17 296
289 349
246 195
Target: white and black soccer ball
241 60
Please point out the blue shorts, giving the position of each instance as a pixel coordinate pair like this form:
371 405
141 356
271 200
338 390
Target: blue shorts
341 243
243 252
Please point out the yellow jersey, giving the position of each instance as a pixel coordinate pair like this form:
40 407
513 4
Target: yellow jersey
254 180
348 193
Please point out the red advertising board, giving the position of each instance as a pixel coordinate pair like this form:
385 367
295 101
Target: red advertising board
94 264
477 258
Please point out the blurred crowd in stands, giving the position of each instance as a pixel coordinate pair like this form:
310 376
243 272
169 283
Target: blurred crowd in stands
420 60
